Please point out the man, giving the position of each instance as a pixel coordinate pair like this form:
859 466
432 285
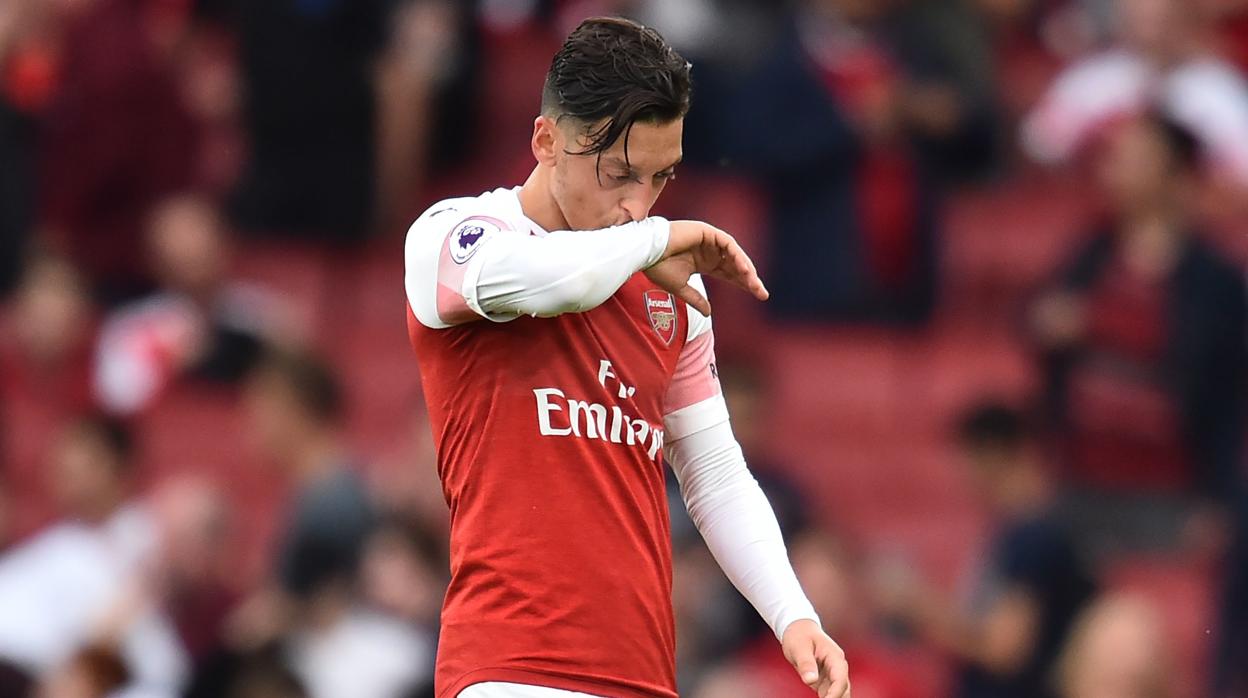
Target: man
295 408
552 419
1033 584
1141 341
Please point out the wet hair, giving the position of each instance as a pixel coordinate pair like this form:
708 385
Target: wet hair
617 72
993 425
311 382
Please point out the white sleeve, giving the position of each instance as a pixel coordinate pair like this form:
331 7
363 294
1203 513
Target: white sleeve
736 520
482 267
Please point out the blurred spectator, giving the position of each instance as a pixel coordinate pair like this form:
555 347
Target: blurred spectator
295 405
1143 347
1230 675
947 100
266 677
116 139
404 576
1163 54
1117 649
45 359
834 579
354 651
338 99
193 579
848 120
200 324
260 674
21 76
336 646
73 585
1033 584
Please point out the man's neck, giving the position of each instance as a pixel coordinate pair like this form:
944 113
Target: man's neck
1029 496
538 204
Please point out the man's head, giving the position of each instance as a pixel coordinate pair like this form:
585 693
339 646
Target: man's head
292 398
1146 161
1162 30
997 442
91 467
187 244
613 110
51 311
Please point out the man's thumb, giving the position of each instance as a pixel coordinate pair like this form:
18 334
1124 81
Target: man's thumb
807 668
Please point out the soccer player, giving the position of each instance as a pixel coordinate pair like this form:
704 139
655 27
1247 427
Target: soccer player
565 345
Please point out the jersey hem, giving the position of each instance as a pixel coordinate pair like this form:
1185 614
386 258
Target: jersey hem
544 679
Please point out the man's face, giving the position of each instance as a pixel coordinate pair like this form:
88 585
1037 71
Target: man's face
84 474
597 193
1135 169
272 416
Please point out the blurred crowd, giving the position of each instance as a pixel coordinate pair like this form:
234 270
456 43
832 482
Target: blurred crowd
215 470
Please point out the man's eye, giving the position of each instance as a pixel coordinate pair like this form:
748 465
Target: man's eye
621 179
664 176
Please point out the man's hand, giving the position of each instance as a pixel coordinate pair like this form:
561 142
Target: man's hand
697 248
819 661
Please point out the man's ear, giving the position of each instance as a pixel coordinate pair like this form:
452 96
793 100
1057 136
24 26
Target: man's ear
545 142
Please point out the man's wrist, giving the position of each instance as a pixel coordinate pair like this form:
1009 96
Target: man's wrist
660 234
797 617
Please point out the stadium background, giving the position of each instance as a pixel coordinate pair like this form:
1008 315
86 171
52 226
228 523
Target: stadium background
201 213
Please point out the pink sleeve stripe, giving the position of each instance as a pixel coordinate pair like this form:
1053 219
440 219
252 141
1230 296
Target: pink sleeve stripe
694 379
452 307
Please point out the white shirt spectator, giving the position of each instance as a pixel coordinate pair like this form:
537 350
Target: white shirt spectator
57 587
1204 94
365 654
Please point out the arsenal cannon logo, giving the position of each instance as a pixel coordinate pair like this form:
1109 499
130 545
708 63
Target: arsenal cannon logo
661 308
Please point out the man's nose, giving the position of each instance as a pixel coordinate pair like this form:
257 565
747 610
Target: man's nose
637 203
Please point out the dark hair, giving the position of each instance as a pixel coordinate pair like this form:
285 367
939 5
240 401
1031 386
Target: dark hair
104 666
618 70
993 424
113 434
310 380
1182 143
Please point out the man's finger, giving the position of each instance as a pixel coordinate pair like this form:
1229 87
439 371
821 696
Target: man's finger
834 674
748 282
747 273
807 668
694 298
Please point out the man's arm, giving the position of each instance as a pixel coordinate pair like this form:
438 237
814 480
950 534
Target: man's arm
464 269
735 518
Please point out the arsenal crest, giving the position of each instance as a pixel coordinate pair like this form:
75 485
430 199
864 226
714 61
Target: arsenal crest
661 308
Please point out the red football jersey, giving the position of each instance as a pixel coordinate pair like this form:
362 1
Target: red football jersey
549 434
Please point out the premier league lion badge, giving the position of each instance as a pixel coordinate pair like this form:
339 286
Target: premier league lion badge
661 308
467 238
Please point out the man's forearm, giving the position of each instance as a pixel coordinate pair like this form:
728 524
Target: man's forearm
738 524
562 272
